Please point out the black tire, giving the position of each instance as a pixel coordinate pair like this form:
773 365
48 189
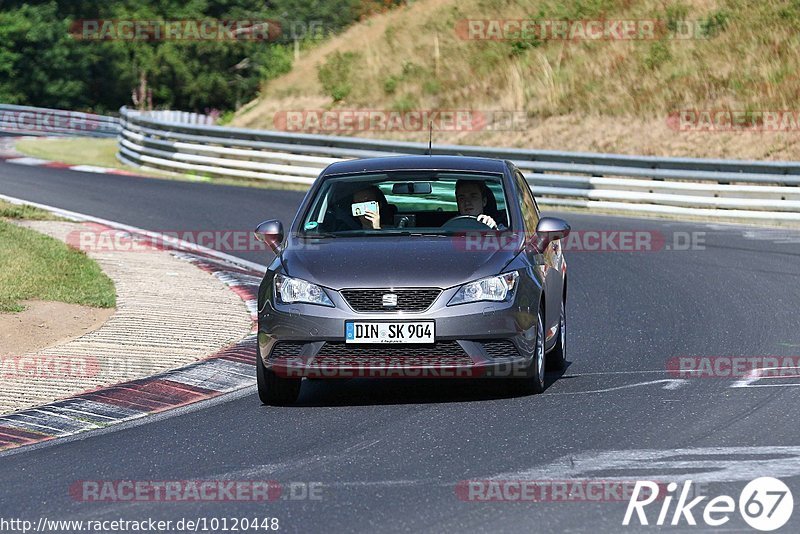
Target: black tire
533 382
274 390
557 357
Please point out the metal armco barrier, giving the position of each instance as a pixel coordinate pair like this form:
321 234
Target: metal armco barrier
187 143
26 120
755 190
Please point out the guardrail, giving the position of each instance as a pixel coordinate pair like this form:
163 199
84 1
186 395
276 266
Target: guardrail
183 117
755 190
189 143
26 120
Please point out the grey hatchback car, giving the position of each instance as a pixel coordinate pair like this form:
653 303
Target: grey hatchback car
413 266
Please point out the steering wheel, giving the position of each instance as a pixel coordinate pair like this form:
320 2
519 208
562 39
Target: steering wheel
466 222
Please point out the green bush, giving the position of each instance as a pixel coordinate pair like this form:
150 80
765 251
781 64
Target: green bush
390 85
405 104
334 74
715 23
431 86
676 13
657 55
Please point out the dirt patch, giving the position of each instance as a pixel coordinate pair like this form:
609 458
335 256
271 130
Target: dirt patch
43 324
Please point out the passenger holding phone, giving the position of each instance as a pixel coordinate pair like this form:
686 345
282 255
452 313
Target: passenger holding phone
371 220
350 209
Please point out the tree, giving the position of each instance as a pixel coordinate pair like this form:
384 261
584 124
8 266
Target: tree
43 64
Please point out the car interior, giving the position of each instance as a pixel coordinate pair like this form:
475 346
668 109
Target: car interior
427 204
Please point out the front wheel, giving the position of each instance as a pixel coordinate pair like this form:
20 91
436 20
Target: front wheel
533 381
273 389
557 358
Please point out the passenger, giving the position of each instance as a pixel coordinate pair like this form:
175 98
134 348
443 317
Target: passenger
372 219
471 196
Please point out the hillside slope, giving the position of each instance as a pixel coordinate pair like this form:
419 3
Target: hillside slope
616 95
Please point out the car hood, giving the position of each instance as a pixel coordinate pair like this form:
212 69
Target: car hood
402 261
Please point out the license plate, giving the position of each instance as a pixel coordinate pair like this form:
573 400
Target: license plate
404 332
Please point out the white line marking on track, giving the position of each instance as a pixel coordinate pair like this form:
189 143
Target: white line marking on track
27 161
89 168
79 413
662 371
701 465
669 383
758 374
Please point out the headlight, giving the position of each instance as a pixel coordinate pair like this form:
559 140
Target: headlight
290 290
495 289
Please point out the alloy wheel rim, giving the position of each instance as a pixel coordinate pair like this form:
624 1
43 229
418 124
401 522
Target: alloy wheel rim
540 351
563 328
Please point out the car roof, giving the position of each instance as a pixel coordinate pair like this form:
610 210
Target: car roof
422 163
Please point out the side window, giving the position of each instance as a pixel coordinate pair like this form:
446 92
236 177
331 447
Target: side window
497 189
530 213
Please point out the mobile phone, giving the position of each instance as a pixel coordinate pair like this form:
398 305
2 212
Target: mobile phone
361 208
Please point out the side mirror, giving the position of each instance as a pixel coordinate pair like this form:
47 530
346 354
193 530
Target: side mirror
271 233
550 229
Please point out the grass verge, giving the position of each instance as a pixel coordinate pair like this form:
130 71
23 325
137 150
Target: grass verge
22 211
36 266
74 151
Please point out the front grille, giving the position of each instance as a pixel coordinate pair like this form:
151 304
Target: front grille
408 300
286 349
500 348
366 355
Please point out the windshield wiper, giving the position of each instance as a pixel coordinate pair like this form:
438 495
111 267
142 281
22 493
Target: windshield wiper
428 234
405 233
321 234
376 233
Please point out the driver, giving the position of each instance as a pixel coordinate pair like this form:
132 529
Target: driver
471 199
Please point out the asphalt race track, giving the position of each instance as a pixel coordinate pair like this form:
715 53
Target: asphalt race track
389 455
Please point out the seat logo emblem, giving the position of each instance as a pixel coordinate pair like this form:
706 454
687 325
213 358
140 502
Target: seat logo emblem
389 299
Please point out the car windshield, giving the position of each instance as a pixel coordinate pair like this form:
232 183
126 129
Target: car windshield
406 202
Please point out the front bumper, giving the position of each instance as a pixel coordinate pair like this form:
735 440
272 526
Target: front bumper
478 339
